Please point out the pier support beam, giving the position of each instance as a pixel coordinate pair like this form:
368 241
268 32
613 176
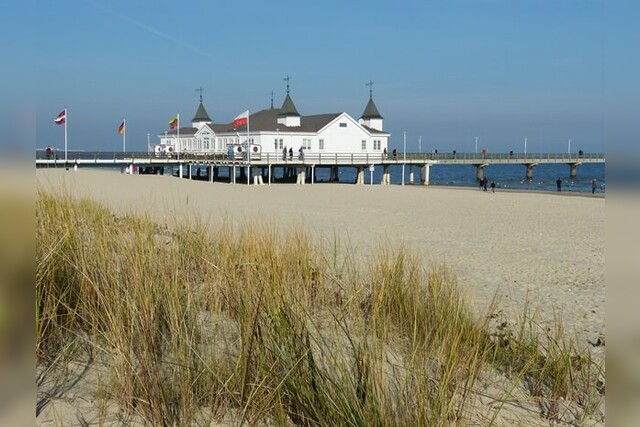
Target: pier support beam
480 171
232 174
386 175
210 172
301 176
360 177
180 173
530 167
573 169
411 181
425 174
333 174
190 170
257 176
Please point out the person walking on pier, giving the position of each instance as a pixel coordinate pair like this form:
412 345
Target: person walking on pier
291 153
594 185
284 153
559 184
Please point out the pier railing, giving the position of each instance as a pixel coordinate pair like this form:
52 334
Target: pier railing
86 157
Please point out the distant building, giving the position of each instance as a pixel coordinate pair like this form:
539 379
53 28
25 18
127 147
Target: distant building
272 129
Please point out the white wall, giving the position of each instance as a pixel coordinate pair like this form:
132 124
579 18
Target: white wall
348 139
337 139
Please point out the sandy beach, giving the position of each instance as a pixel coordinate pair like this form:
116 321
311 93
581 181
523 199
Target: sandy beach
545 247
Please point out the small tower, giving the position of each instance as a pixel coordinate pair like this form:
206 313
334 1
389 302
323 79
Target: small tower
201 118
371 116
288 114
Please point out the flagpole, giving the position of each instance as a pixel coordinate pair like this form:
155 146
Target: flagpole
66 119
178 137
124 135
248 152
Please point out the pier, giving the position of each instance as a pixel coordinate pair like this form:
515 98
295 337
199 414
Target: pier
261 167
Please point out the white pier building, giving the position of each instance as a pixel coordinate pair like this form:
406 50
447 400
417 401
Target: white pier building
273 130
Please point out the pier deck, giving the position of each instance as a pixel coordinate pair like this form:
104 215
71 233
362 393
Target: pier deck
260 165
319 159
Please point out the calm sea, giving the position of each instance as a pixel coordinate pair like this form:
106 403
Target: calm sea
505 176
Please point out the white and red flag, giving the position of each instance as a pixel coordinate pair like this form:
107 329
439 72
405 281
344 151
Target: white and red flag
61 118
241 119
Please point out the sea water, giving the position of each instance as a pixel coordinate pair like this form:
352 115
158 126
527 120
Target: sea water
507 176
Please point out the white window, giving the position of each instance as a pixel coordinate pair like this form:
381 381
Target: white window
306 143
280 143
275 144
376 144
364 145
321 144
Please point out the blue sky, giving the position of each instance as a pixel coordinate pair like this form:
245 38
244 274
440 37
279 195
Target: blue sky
447 71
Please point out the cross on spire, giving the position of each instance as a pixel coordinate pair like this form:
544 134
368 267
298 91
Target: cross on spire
200 89
287 79
370 84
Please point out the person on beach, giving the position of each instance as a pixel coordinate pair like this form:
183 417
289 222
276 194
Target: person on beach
485 181
594 185
493 186
480 182
559 184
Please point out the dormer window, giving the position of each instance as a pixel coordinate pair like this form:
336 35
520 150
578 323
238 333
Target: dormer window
343 125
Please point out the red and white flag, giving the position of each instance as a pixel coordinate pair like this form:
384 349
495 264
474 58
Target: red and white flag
241 119
61 118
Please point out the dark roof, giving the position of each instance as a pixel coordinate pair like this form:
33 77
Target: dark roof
267 120
288 109
374 131
201 115
371 111
184 131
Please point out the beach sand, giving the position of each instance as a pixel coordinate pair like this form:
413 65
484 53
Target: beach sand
544 247
547 248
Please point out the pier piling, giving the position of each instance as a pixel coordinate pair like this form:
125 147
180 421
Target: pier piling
573 169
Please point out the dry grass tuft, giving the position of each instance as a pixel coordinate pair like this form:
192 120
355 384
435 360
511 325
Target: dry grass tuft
187 321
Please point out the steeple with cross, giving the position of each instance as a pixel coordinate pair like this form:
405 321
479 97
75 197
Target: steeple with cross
201 116
371 117
288 114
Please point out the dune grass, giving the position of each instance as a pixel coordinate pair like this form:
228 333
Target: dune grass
191 324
